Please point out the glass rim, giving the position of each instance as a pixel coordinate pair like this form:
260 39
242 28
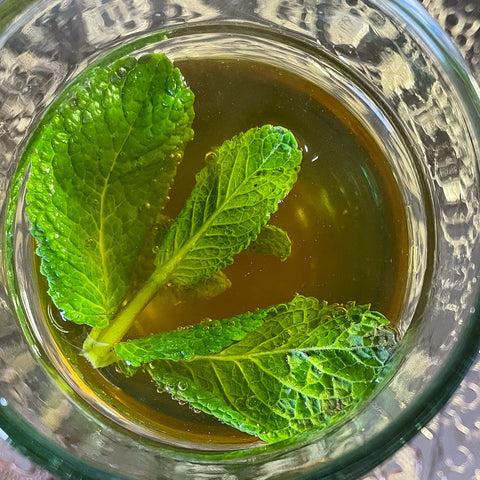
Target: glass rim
422 409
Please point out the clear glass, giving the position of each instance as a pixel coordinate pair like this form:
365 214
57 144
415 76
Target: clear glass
396 71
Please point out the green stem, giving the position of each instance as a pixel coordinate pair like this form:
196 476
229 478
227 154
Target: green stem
98 346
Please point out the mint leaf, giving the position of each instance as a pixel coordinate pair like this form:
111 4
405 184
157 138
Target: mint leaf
305 366
232 200
234 195
205 338
102 163
272 241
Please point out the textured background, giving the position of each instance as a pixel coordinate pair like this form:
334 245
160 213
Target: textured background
447 448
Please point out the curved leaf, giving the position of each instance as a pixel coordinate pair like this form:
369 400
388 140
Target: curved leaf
234 196
304 366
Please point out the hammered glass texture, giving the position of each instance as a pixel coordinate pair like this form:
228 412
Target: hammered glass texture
447 447
461 19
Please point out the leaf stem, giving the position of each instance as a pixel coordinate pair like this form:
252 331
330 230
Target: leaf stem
98 346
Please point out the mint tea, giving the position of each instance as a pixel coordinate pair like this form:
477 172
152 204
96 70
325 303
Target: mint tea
344 218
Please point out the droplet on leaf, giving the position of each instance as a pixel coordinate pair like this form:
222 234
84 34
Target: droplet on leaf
182 385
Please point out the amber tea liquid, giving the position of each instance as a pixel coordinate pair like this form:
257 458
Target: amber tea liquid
345 217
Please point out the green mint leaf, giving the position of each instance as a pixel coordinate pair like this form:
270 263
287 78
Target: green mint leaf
205 338
305 366
234 195
272 241
102 163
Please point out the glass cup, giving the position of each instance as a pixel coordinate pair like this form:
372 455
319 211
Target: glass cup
395 70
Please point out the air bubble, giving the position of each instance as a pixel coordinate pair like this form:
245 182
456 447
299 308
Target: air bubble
206 323
177 156
216 325
182 386
209 157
